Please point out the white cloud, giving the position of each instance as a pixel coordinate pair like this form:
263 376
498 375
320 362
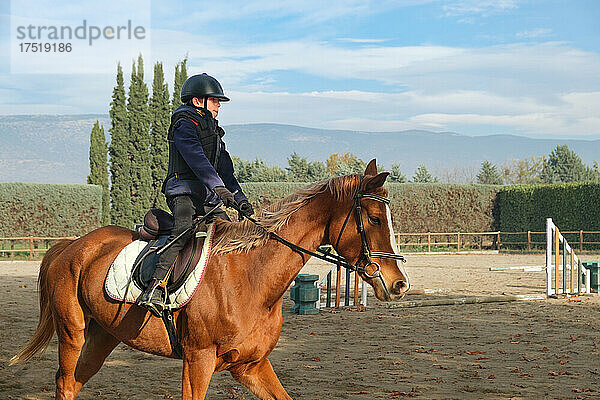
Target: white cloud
531 69
569 118
478 7
533 88
534 33
574 114
359 40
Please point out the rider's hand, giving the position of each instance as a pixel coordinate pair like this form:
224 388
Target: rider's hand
245 209
225 195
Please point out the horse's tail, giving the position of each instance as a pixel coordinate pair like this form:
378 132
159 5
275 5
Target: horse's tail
45 328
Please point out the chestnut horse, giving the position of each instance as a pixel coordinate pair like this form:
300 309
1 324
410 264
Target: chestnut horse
234 319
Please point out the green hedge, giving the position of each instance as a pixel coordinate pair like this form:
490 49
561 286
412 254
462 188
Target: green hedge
439 207
572 207
261 194
415 207
36 209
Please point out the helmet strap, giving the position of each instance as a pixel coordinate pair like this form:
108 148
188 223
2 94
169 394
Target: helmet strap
205 102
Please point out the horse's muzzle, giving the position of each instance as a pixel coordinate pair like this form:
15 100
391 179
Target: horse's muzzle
399 288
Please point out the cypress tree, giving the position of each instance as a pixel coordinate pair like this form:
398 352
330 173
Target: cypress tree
159 151
180 78
139 143
120 161
99 167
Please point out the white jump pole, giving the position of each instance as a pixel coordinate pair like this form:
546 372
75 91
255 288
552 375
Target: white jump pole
549 257
550 232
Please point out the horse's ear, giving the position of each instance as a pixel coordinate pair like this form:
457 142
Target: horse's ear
373 182
371 168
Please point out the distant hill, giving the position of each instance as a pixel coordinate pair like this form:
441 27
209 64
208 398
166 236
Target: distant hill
51 148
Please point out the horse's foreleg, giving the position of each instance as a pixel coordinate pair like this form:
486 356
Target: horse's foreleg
262 381
98 345
198 368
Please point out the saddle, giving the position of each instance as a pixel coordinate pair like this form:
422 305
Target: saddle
156 230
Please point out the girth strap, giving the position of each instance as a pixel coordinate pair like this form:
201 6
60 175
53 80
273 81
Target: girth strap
167 318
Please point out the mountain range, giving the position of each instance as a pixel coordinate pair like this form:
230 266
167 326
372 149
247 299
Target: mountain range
54 148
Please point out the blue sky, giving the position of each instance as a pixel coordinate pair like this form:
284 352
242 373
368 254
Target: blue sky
475 67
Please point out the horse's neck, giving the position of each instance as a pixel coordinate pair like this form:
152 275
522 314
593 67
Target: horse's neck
305 228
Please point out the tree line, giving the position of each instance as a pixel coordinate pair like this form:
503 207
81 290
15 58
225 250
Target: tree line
135 161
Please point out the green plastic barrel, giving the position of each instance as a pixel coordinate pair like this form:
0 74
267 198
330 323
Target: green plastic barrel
594 269
305 294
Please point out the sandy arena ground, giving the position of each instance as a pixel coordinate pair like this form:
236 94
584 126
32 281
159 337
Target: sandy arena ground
524 350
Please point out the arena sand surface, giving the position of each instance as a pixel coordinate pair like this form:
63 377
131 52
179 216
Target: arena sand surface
523 350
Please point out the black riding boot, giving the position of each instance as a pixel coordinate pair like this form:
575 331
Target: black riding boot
153 298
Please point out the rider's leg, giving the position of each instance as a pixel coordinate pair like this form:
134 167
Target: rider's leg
183 209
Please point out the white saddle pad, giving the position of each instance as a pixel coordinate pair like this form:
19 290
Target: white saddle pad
119 274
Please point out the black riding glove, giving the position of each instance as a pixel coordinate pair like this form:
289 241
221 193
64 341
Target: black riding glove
225 195
245 209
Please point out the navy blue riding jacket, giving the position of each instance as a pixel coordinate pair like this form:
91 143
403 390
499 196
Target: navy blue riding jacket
185 138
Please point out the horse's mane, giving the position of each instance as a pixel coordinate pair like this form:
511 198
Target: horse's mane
243 236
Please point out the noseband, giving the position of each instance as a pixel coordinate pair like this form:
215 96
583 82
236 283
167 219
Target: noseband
366 253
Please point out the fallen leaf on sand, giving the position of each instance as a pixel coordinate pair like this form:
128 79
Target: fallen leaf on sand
473 352
584 389
413 393
492 376
312 366
501 351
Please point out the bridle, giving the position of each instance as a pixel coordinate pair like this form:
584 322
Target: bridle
366 254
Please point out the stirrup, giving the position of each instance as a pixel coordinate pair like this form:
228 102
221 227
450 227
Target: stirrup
152 300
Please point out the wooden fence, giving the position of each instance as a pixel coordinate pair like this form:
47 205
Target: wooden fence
33 245
488 240
426 241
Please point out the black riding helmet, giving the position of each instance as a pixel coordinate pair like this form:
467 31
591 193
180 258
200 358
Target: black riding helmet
202 86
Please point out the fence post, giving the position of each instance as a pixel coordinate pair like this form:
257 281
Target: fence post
498 242
356 279
457 241
529 240
548 256
347 291
338 283
31 248
564 266
556 259
328 300
573 271
428 242
581 241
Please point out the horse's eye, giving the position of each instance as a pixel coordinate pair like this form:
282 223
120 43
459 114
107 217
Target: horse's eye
375 220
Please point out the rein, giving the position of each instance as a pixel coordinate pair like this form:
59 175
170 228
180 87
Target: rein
366 253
